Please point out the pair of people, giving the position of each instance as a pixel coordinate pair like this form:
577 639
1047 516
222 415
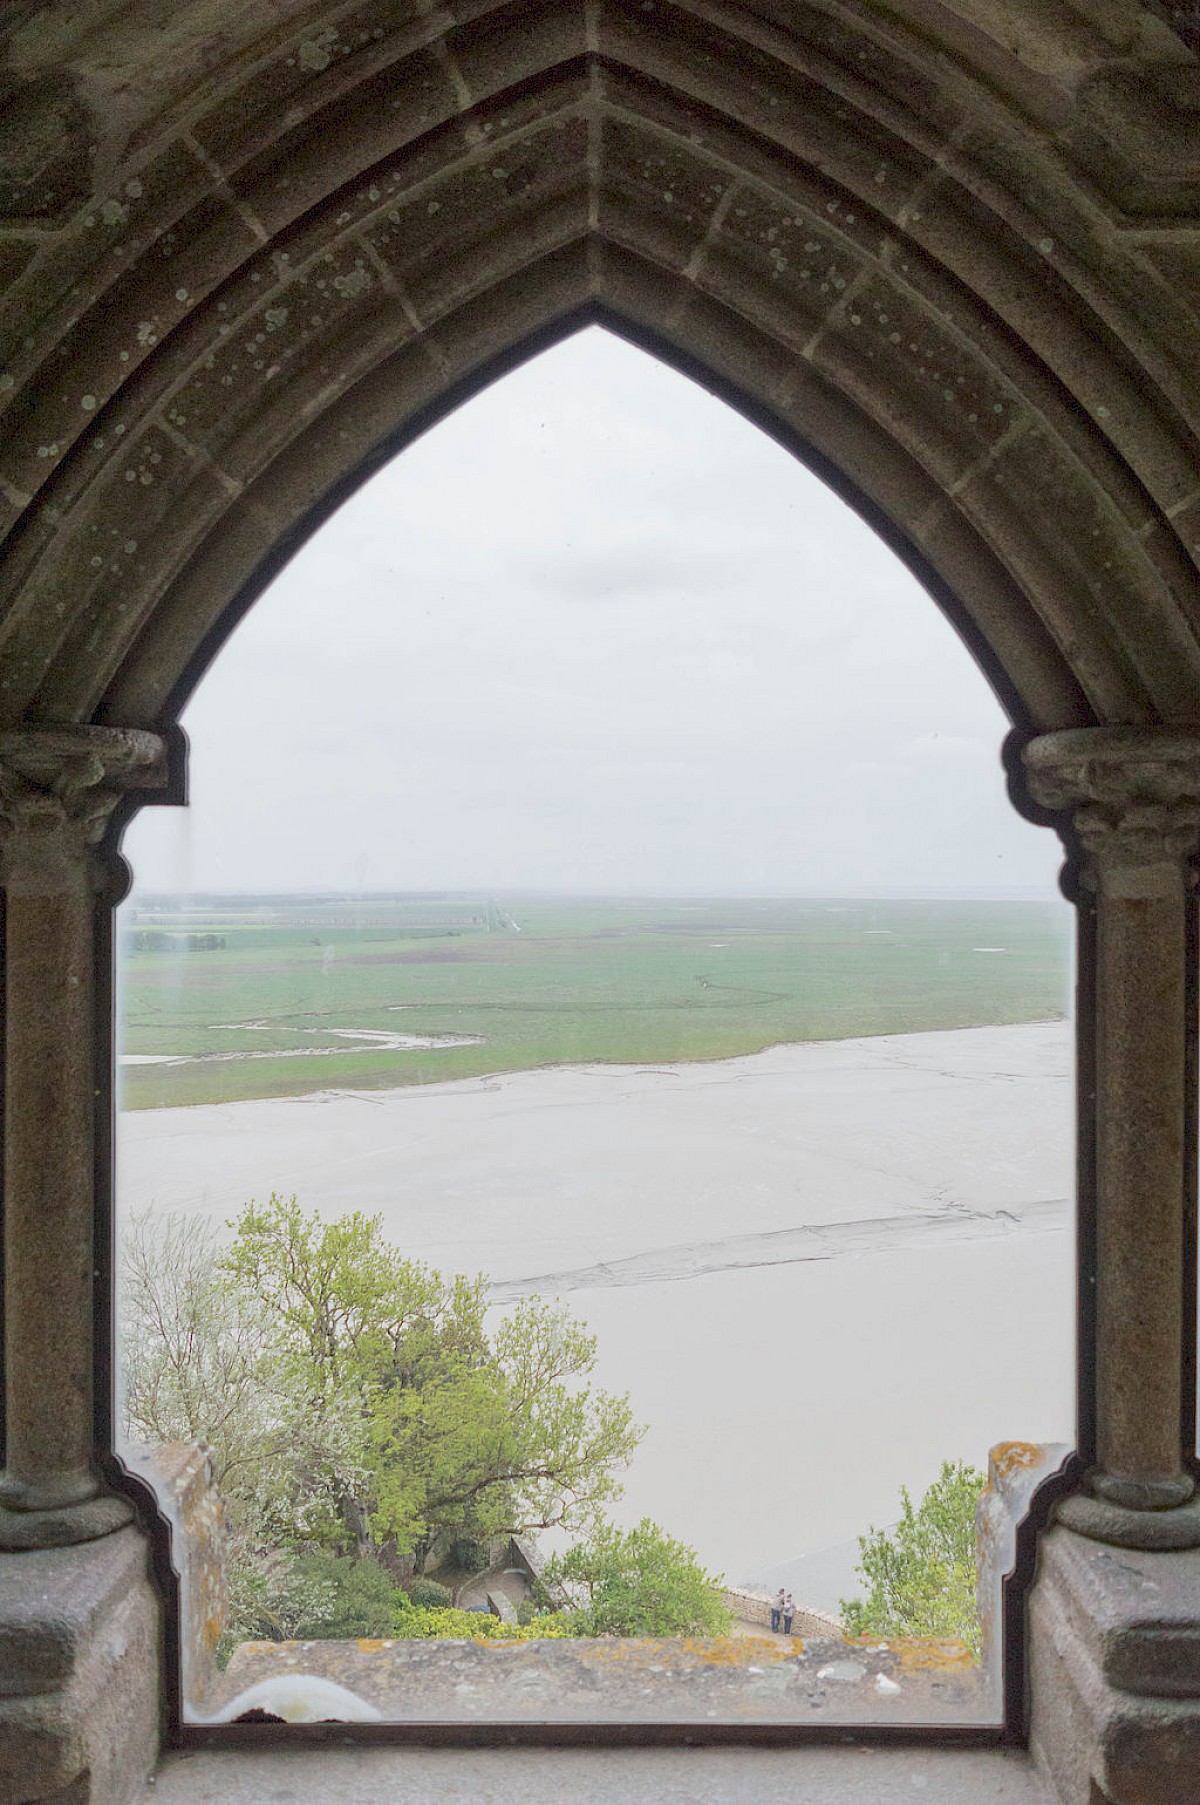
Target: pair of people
783 1608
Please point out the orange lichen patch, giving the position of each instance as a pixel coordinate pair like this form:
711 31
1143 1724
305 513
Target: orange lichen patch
1013 1456
920 1654
928 1654
371 1645
212 1632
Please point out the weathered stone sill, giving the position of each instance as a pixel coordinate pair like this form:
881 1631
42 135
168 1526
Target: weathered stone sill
740 1680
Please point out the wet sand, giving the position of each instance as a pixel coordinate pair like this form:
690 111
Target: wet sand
818 1270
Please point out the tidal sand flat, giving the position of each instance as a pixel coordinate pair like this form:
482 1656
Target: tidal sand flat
819 1270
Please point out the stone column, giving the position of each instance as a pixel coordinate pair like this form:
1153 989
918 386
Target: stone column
59 788
1127 802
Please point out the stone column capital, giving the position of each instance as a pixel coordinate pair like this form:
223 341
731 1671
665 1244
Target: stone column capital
58 789
1130 795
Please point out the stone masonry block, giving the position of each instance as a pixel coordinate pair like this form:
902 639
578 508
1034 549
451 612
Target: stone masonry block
79 1653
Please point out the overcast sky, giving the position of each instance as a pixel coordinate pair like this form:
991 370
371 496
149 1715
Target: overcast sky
595 632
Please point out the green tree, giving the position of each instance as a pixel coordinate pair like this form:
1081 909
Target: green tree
921 1578
638 1582
460 1433
355 1399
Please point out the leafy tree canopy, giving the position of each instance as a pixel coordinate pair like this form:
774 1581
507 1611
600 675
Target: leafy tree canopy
355 1398
921 1578
638 1582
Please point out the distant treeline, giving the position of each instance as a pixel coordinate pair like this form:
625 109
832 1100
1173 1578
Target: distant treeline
154 940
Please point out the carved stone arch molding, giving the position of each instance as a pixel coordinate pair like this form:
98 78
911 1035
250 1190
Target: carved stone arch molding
250 248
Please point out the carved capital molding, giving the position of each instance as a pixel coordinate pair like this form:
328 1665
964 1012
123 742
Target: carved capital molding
1130 797
58 789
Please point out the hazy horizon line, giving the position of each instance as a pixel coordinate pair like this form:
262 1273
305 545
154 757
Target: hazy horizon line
483 892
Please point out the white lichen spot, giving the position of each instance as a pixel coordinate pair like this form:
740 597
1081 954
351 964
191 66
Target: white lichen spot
372 194
1045 246
96 562
1102 413
131 476
181 294
118 428
134 189
275 318
433 207
145 478
887 1688
316 53
130 547
87 403
124 357
355 283
6 382
114 213
147 332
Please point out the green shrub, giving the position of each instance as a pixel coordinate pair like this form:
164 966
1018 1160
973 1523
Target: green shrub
639 1582
429 1594
361 1595
309 1597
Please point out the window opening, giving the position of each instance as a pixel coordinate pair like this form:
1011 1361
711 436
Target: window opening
598 869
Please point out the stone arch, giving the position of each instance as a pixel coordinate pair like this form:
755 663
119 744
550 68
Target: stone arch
948 250
274 243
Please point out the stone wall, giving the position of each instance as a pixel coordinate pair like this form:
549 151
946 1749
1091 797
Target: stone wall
755 1607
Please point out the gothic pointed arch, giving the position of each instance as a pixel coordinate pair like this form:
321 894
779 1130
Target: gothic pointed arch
252 249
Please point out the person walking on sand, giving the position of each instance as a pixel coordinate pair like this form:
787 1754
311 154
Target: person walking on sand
776 1611
789 1611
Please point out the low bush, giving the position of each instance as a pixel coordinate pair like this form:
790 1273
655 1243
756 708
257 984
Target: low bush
429 1595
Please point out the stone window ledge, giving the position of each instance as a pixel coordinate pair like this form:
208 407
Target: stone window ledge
361 1776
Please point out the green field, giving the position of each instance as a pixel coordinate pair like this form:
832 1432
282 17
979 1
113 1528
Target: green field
539 981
